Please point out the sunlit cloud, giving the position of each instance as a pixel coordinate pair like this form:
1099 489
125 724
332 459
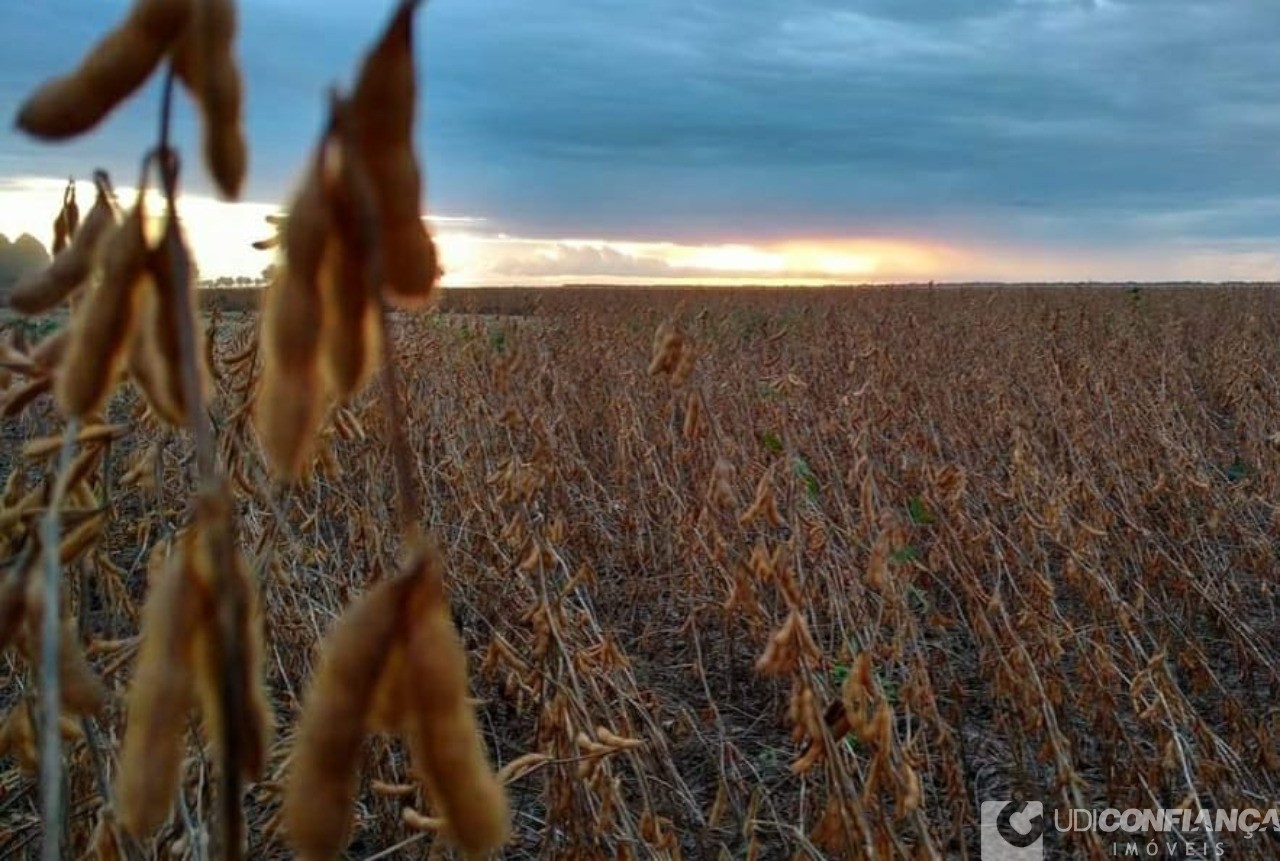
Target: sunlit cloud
220 233
480 259
728 258
221 236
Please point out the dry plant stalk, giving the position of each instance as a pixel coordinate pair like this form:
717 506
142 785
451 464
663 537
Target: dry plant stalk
67 221
447 747
202 641
288 408
351 269
180 666
204 61
199 37
156 361
219 567
393 661
162 693
384 105
324 773
321 325
23 617
18 736
44 290
99 332
153 382
43 447
668 348
109 73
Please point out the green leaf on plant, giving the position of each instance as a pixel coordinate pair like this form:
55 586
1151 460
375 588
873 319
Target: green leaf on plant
805 473
1238 471
920 513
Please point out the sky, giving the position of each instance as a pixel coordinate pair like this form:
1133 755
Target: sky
746 141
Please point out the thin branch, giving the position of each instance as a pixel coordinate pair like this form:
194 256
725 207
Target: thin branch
184 310
406 486
50 688
128 842
228 647
392 850
166 108
360 195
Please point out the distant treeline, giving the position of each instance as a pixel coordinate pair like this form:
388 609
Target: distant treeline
527 301
17 258
455 300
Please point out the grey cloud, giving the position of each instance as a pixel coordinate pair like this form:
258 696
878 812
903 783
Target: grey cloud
1104 121
582 263
586 263
1069 107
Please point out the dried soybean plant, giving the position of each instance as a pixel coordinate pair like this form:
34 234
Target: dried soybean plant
393 663
824 579
353 246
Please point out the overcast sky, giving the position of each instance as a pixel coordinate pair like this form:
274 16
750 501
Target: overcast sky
1077 130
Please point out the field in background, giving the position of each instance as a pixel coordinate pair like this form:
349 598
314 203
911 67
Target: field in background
521 301
883 555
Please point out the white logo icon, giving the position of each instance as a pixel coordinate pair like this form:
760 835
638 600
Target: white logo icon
1012 831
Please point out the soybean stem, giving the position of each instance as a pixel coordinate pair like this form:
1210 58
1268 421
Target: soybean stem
228 645
166 108
407 487
50 688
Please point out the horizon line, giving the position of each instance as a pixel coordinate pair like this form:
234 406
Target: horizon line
259 283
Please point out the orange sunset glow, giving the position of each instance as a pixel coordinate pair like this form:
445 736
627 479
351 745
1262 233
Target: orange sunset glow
222 234
476 254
